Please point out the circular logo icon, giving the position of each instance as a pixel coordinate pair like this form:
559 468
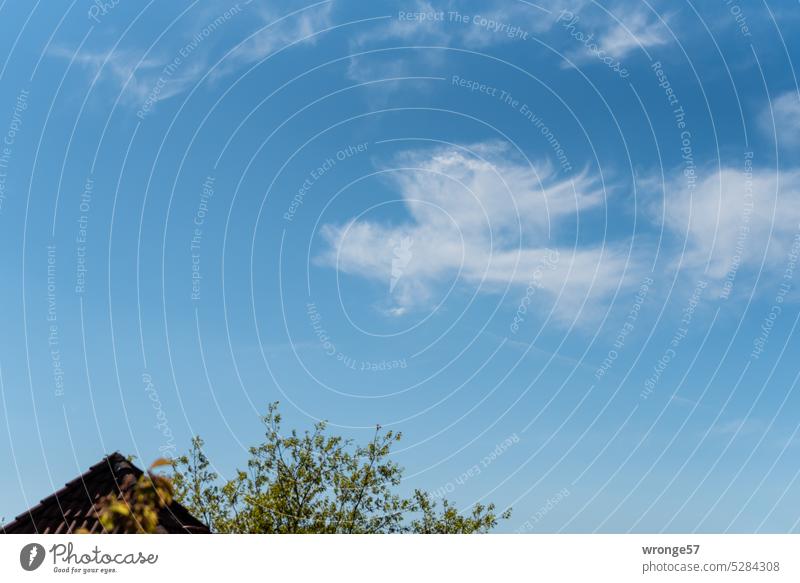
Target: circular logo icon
31 556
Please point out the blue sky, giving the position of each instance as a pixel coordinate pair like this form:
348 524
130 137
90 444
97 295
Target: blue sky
555 244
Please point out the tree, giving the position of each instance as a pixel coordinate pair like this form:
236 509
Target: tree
136 509
317 483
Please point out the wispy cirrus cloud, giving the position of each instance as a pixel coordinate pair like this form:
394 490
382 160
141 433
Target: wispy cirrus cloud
461 24
167 72
732 219
127 70
425 23
780 119
486 219
635 30
614 34
278 29
477 26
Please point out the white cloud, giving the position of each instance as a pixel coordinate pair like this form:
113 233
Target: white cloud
470 25
481 219
278 30
172 72
488 23
615 34
733 218
635 30
123 68
781 119
610 36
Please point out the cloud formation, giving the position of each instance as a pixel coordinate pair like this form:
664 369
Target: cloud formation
781 119
278 29
128 70
635 30
611 36
483 217
733 218
162 74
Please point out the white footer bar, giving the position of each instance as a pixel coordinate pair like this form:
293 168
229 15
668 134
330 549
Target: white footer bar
417 558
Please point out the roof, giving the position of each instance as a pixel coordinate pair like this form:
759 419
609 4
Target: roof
75 506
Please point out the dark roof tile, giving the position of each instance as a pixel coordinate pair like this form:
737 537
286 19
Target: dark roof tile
74 506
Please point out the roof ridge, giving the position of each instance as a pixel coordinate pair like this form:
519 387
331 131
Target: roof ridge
114 473
108 461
